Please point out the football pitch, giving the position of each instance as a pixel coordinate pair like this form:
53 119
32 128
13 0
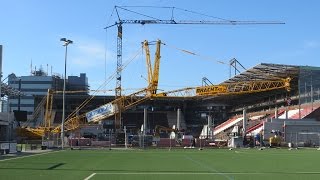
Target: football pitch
178 164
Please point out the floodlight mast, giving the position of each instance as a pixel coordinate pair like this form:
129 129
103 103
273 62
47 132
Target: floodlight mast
153 20
66 42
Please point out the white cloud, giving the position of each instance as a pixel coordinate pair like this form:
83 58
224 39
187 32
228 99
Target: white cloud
311 44
90 54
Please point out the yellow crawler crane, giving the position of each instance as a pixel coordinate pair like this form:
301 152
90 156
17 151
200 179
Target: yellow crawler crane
126 102
122 103
45 126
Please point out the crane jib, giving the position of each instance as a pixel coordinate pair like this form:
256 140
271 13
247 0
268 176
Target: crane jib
206 90
100 112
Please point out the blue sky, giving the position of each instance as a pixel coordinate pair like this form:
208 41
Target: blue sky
31 30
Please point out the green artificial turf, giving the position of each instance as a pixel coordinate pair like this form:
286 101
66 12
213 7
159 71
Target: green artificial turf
178 164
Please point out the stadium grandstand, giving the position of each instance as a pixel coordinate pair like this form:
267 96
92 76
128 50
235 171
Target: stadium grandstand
208 120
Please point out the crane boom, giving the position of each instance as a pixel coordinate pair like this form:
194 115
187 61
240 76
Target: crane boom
110 109
230 88
148 60
153 73
244 87
156 68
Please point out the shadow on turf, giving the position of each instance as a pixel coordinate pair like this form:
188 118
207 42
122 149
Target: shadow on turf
55 166
52 167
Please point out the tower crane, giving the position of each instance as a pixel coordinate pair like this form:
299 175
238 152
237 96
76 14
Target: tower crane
152 20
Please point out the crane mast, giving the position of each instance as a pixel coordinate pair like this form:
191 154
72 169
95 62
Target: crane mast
156 68
118 75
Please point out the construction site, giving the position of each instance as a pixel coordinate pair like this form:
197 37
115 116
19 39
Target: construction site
191 102
265 105
278 104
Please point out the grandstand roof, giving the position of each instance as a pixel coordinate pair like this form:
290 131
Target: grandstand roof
266 71
263 71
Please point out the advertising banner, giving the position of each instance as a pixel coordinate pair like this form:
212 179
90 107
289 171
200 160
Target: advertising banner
100 112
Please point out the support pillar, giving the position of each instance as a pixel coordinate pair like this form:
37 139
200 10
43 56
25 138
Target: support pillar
276 113
209 128
125 137
1 110
244 128
145 117
178 119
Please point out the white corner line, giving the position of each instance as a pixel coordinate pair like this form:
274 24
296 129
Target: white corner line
21 157
89 177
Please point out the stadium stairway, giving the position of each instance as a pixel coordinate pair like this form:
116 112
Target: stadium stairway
290 114
227 124
305 111
255 127
255 122
258 123
252 124
280 112
206 132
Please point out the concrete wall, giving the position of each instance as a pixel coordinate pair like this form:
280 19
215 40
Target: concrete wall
302 132
6 129
6 118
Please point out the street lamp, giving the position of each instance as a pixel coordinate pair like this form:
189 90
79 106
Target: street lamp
66 43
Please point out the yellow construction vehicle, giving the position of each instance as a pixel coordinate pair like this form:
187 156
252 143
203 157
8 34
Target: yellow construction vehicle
275 141
162 129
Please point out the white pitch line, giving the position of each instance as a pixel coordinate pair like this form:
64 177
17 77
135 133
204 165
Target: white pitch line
89 177
240 152
175 173
20 157
209 168
192 173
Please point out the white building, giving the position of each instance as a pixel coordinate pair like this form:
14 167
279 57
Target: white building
31 86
